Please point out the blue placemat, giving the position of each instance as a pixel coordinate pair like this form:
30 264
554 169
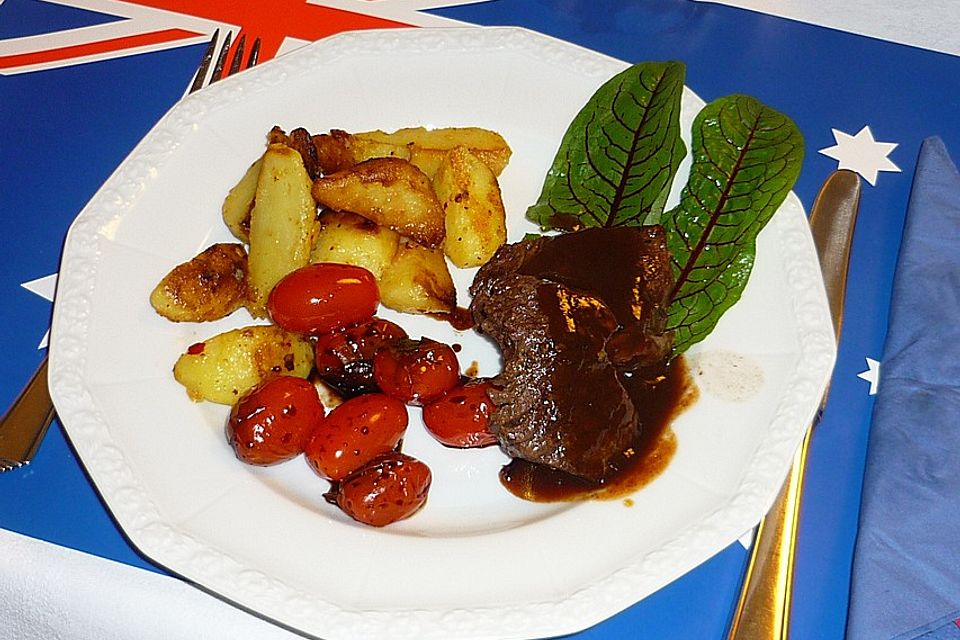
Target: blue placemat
77 122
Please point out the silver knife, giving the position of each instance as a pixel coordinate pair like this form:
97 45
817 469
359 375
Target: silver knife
763 611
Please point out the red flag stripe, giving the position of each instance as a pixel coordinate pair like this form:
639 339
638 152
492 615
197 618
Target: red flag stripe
93 48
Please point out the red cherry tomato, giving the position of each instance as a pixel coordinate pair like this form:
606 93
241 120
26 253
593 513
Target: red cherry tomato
356 432
461 416
416 371
385 490
273 422
323 297
344 358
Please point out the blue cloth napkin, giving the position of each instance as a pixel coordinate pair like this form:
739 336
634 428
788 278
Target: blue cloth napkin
906 572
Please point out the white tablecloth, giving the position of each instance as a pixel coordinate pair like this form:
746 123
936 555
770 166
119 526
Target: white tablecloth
48 592
929 24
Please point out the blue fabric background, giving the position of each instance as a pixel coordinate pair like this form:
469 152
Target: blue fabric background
907 564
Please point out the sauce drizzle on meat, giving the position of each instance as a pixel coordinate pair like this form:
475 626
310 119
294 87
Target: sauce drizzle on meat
588 387
648 456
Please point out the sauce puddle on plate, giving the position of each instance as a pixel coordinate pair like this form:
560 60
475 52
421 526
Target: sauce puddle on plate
646 458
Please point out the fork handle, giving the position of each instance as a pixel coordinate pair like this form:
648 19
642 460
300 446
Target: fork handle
23 426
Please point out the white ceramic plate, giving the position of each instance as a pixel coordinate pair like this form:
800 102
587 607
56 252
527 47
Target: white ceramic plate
475 562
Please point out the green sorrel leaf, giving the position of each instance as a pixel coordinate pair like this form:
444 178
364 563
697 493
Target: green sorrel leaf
617 160
746 158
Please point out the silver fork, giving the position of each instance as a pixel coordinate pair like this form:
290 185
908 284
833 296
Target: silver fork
25 423
235 63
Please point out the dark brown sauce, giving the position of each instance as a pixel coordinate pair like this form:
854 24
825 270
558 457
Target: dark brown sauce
460 319
604 262
646 458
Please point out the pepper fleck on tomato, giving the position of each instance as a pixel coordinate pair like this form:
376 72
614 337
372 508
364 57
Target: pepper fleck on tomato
416 371
344 358
385 490
461 416
354 433
273 422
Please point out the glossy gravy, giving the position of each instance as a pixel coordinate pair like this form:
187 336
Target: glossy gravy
650 453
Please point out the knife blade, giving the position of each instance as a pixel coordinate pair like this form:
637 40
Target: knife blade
763 610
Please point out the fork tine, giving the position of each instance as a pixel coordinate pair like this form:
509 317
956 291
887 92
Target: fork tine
205 63
222 58
201 80
254 54
238 55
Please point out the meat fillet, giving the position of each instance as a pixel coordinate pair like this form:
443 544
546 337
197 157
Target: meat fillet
575 317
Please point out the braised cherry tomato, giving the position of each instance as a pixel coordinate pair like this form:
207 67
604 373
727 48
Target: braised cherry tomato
273 422
356 432
461 416
344 358
416 371
385 490
323 297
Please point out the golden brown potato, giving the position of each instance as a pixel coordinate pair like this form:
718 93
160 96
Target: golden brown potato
300 141
389 191
418 281
351 239
476 222
283 223
365 148
239 203
339 150
427 147
228 365
333 151
210 286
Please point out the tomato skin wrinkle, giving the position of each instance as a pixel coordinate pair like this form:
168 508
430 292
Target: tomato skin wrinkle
416 371
344 358
323 297
387 489
354 433
461 417
272 423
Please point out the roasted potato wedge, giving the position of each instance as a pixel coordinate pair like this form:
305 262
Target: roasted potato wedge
362 148
427 147
228 365
333 151
239 203
300 141
389 191
339 150
475 220
210 286
418 281
351 239
283 223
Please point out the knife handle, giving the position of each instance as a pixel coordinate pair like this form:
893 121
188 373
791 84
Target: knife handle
763 611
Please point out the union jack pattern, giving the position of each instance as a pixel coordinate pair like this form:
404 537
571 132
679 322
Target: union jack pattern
140 26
